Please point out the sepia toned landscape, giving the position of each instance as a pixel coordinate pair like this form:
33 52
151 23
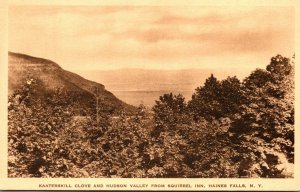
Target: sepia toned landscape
144 86
151 92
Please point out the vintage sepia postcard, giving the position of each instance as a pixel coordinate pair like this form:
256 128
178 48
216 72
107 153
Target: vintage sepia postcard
146 95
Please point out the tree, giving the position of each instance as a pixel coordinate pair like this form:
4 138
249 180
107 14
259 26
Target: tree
263 130
169 111
205 101
216 99
101 114
230 96
34 123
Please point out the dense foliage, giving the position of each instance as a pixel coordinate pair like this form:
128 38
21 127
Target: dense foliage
229 128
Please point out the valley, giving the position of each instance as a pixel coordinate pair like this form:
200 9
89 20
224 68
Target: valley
144 86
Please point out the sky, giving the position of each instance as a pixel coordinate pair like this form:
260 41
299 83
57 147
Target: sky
152 37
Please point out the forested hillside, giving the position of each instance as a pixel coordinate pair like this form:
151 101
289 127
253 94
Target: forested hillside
230 128
49 78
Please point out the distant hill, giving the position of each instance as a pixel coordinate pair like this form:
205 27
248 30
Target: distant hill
53 77
136 86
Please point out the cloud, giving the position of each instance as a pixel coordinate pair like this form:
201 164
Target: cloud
128 36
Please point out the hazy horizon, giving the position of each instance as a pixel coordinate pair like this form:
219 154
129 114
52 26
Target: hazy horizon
136 86
153 37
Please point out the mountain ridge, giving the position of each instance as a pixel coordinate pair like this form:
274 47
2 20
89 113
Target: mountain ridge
52 77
